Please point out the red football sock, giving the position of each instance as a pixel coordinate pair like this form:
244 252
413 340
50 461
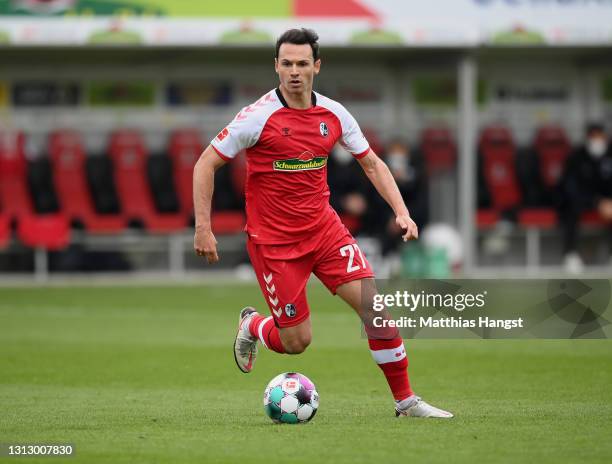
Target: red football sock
390 356
263 328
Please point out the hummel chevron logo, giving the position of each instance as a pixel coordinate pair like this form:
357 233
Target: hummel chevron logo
267 278
277 312
242 114
271 290
258 104
274 300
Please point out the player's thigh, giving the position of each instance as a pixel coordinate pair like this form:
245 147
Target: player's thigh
339 260
283 285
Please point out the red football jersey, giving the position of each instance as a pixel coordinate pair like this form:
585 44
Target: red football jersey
287 196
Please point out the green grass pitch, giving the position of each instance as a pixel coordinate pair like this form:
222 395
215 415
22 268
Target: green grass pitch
146 375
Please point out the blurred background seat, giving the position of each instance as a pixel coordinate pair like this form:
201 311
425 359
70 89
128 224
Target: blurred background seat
68 162
49 231
14 192
5 230
129 155
497 152
184 149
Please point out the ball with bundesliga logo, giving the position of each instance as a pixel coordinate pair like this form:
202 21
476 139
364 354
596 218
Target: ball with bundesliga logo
291 398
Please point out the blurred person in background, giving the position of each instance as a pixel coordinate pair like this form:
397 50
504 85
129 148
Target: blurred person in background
586 184
408 170
348 187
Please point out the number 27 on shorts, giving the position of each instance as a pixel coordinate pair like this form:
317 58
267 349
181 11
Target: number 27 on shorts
349 251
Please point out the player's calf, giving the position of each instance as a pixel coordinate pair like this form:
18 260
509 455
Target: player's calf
296 339
295 345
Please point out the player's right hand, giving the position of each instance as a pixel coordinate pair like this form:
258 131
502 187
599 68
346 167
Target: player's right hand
205 244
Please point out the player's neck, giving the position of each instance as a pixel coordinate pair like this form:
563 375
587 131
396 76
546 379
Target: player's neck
301 101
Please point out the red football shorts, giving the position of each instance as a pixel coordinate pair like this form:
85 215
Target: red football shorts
283 271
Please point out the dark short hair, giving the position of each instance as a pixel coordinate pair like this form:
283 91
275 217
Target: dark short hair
594 126
300 37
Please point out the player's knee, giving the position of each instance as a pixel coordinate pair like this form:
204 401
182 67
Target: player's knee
297 345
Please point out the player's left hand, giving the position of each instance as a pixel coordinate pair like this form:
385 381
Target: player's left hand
405 222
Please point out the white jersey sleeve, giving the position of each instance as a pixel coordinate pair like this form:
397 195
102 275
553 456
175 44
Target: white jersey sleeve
352 138
244 130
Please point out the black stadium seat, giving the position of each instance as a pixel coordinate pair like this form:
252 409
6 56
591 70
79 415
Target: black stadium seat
159 171
100 178
41 186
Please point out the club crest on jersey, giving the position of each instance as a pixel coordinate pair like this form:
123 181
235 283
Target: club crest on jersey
323 129
290 310
306 161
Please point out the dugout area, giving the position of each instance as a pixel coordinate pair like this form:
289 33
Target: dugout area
100 92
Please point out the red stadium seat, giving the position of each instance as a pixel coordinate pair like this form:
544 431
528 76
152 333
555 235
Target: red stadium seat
70 179
129 155
15 197
238 173
542 218
439 150
230 221
184 149
533 220
50 231
227 222
5 230
485 218
373 139
498 158
552 147
592 219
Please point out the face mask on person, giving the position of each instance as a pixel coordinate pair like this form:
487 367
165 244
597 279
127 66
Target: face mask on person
597 147
397 161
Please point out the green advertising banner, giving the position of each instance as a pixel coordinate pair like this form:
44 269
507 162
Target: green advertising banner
442 90
120 93
172 8
384 23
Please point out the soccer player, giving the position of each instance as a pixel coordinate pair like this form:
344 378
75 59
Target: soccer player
292 231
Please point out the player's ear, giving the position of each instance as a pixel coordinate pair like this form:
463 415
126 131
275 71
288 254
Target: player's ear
317 66
276 65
